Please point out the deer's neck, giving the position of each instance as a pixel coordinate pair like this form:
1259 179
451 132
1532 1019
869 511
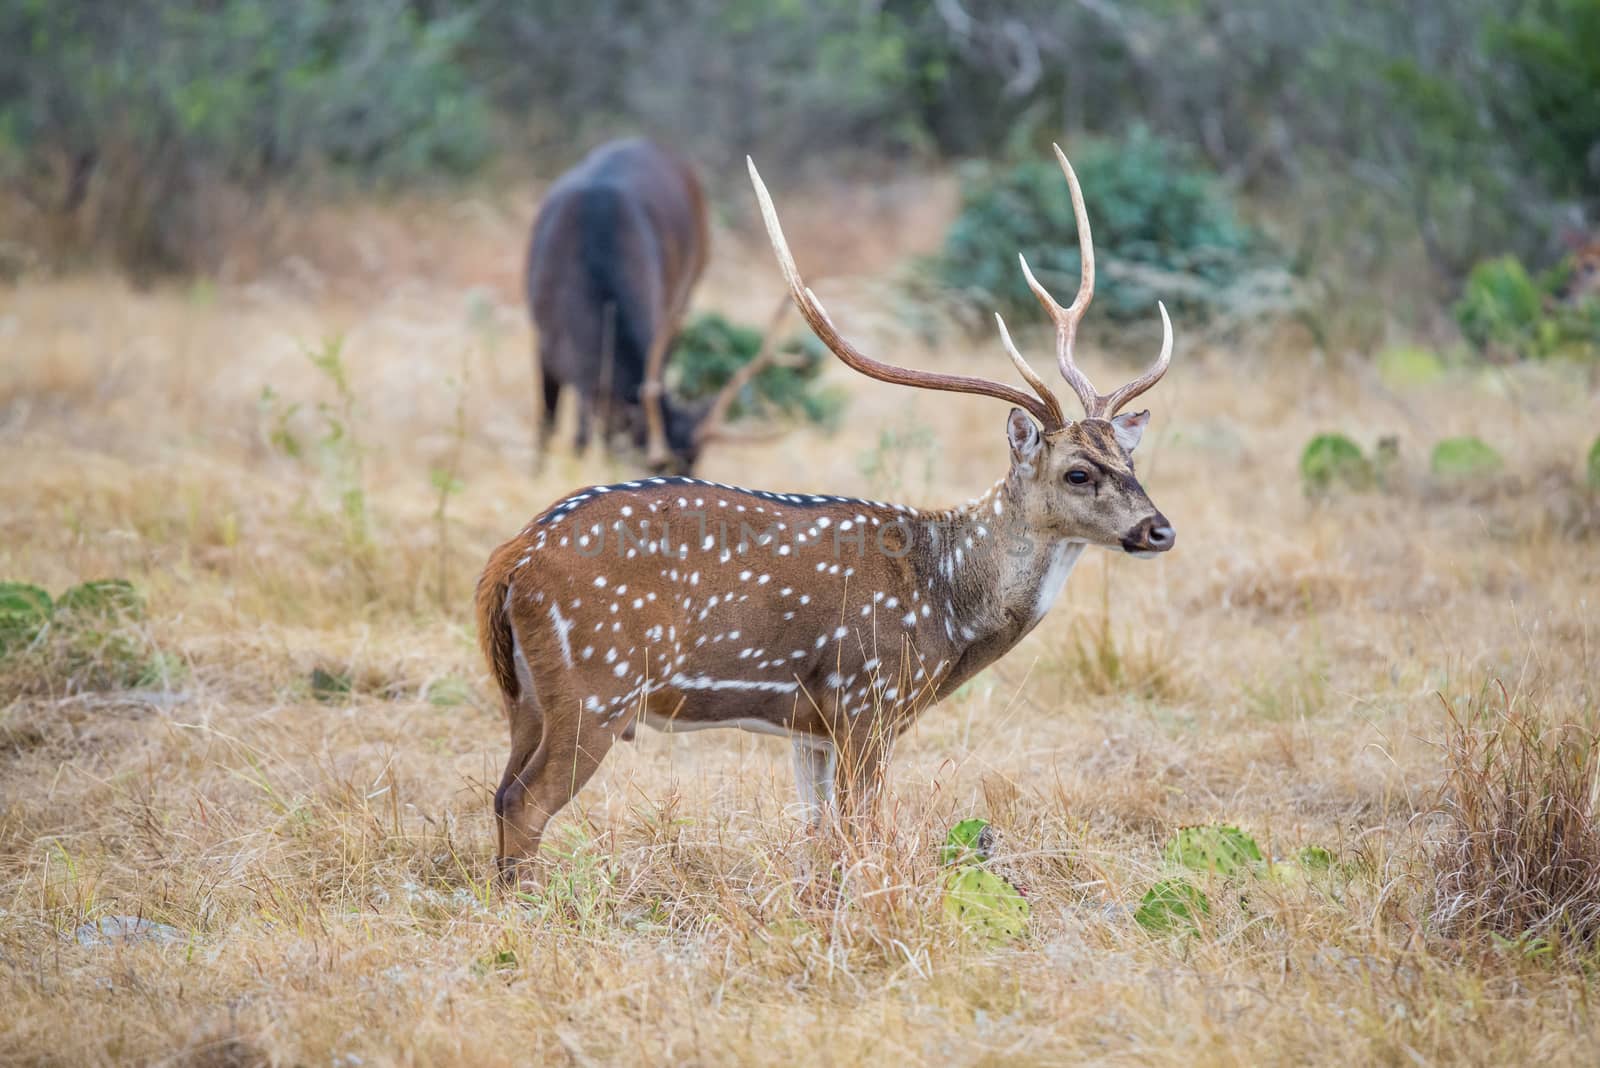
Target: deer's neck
991 574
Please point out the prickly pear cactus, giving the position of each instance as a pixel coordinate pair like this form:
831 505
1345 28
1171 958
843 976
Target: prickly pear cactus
1171 906
981 900
1331 462
969 842
103 599
1464 458
985 903
1223 849
24 611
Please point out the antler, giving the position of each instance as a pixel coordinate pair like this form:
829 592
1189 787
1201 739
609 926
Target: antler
1044 407
1095 405
713 426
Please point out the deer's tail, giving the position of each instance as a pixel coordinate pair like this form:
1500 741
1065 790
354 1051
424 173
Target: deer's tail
494 628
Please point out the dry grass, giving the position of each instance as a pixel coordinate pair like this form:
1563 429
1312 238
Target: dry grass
1519 858
325 855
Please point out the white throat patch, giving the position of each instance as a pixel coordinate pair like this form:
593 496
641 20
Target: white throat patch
1058 566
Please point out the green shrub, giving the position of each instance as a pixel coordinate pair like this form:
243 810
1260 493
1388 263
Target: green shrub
132 112
710 349
1464 457
1333 461
1503 307
1161 228
1592 473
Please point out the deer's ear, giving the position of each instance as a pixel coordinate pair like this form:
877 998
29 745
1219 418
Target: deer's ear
1024 436
1130 428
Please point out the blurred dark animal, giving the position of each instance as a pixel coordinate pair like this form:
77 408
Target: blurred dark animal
617 248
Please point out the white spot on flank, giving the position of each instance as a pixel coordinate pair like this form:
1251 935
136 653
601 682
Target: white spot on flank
563 628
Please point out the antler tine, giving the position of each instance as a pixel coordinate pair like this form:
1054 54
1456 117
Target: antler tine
811 308
1096 405
714 424
1117 398
1067 319
1027 372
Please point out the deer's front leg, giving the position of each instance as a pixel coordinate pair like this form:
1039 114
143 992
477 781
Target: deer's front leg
858 775
815 761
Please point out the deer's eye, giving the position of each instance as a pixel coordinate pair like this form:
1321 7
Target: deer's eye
1077 476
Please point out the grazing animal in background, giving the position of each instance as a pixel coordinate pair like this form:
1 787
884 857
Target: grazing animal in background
830 621
618 245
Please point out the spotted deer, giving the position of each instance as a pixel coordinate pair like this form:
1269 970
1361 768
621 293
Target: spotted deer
831 621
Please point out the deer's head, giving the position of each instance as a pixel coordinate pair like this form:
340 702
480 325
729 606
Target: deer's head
1072 479
1077 483
675 434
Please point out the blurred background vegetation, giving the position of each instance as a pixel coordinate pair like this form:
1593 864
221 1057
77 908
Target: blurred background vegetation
1460 138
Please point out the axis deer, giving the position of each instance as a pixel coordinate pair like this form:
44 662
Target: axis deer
831 621
618 245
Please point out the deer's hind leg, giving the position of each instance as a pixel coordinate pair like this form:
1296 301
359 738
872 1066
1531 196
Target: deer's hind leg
574 739
527 730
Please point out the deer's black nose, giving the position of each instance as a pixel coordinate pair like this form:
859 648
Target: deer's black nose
1153 535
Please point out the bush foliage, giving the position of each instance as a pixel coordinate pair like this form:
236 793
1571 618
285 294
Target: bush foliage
134 110
1505 310
1466 128
1160 225
710 350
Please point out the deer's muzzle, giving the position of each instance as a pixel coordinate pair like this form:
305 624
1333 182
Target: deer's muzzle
1153 535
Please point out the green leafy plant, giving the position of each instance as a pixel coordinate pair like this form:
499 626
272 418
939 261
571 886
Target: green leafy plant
1463 458
1505 309
1161 225
337 450
1332 461
1592 467
710 350
1172 906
